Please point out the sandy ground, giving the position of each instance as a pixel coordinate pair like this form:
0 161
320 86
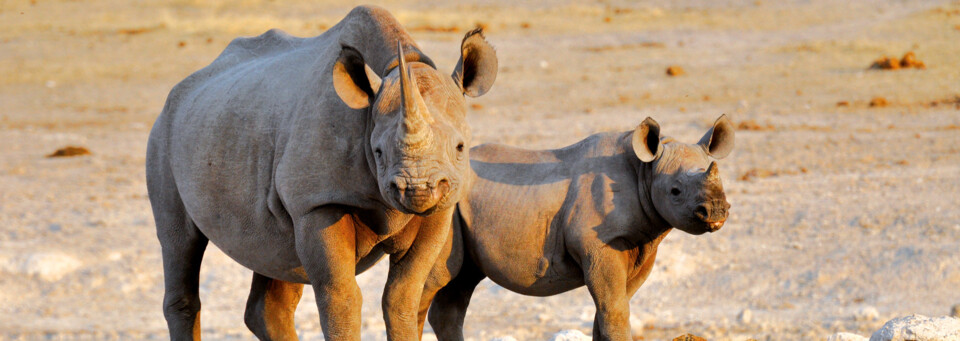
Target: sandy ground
835 208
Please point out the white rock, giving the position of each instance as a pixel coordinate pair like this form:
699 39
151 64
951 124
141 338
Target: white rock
846 337
867 313
504 338
919 328
49 266
570 335
745 316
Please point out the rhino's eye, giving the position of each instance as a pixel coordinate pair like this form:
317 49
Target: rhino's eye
460 147
675 191
378 152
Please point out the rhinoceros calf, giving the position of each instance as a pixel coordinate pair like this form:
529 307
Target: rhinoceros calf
308 159
544 222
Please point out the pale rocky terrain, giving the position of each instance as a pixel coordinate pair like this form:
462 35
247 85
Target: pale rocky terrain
843 216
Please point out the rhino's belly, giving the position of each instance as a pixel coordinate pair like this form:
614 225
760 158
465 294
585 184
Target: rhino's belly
257 247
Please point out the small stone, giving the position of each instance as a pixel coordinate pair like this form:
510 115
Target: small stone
867 313
674 71
878 102
745 316
846 337
570 335
919 328
504 338
955 311
70 151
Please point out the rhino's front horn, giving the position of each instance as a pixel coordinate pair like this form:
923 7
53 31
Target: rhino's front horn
712 174
415 128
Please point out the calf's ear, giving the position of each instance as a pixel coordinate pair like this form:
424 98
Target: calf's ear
356 84
646 140
718 141
477 68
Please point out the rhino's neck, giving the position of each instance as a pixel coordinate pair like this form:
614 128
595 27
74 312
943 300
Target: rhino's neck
655 227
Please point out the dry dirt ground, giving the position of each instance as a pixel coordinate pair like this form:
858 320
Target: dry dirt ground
835 207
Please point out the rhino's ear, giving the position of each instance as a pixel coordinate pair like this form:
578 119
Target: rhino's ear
718 141
477 68
356 84
646 140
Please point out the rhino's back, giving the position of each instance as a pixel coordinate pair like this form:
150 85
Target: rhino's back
529 209
225 129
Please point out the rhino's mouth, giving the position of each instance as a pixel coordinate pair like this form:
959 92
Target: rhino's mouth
422 201
715 226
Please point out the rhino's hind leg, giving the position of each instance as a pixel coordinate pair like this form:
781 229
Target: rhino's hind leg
449 306
271 306
182 247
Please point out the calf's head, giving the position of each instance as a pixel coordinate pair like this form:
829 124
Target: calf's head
685 183
419 139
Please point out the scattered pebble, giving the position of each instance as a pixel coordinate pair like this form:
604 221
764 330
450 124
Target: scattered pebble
675 71
867 313
753 125
878 102
504 338
688 337
846 337
955 311
70 151
745 316
919 328
909 60
570 335
636 325
843 104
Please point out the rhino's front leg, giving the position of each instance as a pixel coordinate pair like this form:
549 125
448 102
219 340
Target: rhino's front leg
326 248
407 275
605 274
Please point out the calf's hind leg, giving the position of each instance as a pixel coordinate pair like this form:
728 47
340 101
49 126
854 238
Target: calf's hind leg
271 306
449 307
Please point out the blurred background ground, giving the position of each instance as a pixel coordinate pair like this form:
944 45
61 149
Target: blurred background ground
839 207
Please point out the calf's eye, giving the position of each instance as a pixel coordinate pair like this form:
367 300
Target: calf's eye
675 191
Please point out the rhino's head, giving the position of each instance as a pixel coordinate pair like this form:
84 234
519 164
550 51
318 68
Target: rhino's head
419 139
685 183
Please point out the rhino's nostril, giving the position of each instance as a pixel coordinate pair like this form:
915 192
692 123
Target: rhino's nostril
442 185
701 212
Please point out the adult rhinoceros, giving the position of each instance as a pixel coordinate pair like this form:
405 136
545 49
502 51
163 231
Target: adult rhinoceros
308 159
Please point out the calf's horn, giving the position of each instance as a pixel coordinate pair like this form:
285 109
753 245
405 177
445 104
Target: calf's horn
712 174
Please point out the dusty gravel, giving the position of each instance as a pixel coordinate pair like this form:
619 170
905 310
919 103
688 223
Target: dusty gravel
845 207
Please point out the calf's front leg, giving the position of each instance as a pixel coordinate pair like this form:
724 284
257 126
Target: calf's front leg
326 247
606 279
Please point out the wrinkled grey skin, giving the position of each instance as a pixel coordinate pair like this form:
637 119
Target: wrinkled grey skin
544 222
308 159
